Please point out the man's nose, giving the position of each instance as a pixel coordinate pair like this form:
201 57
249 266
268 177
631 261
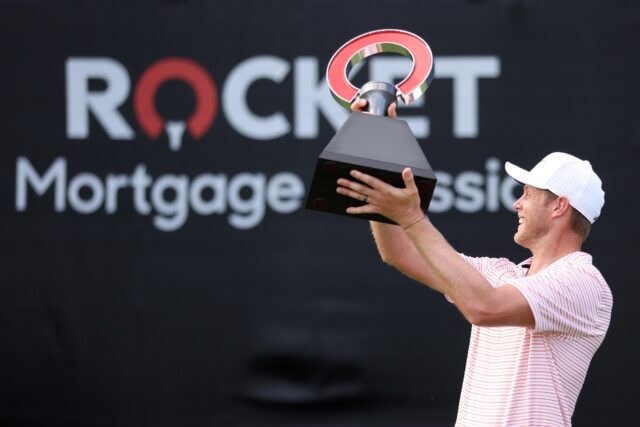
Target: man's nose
516 204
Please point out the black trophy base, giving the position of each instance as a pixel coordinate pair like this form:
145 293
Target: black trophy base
378 146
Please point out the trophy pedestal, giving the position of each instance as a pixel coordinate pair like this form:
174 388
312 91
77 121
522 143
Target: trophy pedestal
378 146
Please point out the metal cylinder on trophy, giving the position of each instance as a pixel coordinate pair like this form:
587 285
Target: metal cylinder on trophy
371 142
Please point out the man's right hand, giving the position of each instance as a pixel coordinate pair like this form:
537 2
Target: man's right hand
360 105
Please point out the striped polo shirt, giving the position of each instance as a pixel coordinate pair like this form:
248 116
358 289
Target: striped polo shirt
518 376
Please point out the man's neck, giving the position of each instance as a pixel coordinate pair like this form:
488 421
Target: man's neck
547 252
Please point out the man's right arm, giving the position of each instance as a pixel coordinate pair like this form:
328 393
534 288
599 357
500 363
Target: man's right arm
398 251
394 246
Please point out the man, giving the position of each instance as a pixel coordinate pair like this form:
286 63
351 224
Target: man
535 325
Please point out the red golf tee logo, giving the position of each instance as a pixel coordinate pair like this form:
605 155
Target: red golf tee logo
197 78
396 41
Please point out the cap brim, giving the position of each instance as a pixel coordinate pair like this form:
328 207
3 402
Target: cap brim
521 175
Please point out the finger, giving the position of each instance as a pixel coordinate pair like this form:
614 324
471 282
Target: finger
371 181
353 194
391 112
355 186
359 105
407 177
359 210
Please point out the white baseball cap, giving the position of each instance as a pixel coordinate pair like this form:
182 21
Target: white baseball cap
568 176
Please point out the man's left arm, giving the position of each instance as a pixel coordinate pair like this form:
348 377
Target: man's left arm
479 302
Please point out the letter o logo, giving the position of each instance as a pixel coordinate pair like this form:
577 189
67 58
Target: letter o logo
176 69
360 47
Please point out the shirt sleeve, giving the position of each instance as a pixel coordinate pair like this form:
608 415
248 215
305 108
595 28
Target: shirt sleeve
495 270
563 300
479 263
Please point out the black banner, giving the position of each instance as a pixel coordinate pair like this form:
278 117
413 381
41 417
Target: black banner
159 267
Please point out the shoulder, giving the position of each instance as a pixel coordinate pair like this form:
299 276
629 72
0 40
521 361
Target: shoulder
573 271
577 272
576 267
569 296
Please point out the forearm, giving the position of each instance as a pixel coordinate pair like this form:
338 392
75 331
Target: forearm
390 240
397 250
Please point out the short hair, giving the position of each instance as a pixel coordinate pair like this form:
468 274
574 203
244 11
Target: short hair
579 223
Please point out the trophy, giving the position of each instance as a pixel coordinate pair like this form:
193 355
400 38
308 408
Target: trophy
371 142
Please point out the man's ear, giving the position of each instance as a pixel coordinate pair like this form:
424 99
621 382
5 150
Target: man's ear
560 207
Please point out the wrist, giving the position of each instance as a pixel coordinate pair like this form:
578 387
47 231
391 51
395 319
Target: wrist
415 220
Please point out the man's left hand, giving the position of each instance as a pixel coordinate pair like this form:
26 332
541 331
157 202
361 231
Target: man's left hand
401 205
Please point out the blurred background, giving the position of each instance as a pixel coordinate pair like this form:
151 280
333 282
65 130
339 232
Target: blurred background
159 267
